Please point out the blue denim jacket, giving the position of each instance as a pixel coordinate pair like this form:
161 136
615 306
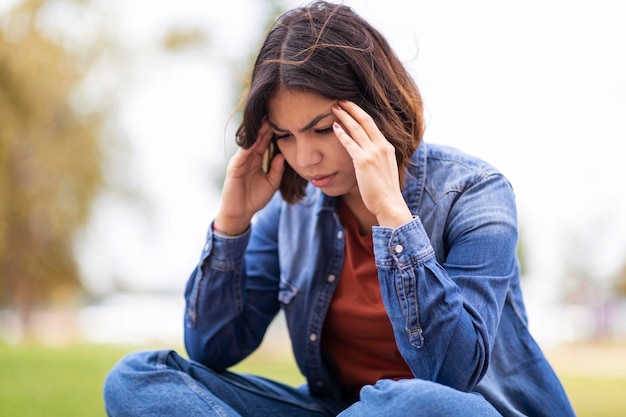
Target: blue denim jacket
450 283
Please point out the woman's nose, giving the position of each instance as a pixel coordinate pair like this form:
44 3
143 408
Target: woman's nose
307 152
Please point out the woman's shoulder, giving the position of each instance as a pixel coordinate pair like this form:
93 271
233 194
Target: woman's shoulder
446 169
444 156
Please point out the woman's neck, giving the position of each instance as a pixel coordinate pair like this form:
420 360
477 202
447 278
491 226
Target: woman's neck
365 219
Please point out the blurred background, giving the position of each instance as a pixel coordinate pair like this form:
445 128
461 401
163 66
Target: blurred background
117 119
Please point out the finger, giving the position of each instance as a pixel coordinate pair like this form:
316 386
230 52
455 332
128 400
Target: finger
264 136
353 149
277 169
252 157
352 127
363 120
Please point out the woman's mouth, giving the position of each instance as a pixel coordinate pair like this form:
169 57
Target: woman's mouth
321 181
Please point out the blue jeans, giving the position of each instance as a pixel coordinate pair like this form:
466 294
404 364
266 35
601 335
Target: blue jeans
162 383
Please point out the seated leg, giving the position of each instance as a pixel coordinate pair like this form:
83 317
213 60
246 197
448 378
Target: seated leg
162 383
416 397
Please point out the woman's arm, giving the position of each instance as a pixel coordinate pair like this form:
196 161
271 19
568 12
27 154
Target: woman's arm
232 295
227 310
445 316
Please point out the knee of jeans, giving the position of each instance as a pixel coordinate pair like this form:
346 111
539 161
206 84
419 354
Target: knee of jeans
430 398
387 390
129 372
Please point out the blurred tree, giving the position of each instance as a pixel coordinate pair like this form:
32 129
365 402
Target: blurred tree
620 282
178 39
50 162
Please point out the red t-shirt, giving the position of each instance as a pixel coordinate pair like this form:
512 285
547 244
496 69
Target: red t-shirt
357 331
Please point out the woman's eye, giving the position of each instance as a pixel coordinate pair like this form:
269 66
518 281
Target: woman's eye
325 131
281 136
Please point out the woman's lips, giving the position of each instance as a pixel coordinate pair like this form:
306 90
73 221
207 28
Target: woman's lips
322 181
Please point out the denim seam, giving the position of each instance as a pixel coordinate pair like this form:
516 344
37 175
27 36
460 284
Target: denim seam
268 394
194 386
194 297
516 309
189 381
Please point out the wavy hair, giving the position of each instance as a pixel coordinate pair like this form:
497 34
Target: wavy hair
328 49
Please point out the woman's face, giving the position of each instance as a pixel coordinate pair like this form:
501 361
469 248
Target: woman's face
302 123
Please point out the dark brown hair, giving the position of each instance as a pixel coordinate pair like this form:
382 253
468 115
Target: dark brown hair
329 50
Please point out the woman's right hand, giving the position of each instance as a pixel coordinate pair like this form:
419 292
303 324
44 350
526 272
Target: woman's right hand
247 188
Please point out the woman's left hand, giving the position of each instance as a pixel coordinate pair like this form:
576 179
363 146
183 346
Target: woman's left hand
375 164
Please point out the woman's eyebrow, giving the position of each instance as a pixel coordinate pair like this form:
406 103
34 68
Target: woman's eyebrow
308 126
273 126
315 121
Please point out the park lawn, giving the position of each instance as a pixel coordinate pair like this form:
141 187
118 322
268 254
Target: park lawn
46 381
596 396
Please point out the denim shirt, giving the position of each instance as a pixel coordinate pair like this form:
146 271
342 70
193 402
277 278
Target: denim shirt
450 283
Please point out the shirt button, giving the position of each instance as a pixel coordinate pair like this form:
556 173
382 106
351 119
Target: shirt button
340 235
398 249
206 247
312 337
331 278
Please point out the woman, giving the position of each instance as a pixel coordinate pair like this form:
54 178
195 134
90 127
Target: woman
394 261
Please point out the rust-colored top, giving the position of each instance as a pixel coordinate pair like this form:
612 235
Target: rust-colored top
357 332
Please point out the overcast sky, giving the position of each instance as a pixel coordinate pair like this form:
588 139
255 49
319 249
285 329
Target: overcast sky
537 88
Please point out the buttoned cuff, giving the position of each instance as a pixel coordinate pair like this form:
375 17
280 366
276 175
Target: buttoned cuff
224 252
401 247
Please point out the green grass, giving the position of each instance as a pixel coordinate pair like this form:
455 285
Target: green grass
596 396
45 381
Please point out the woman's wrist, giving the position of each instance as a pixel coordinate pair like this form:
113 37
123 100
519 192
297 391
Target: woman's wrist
222 232
225 228
395 218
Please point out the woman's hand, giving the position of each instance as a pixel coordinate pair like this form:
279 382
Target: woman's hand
247 188
375 164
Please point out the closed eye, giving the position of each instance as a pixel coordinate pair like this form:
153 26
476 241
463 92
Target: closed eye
281 136
321 132
325 131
